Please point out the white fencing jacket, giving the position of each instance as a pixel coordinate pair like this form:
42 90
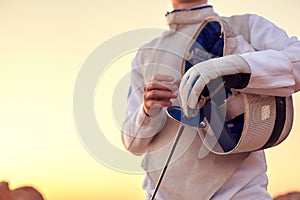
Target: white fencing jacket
274 59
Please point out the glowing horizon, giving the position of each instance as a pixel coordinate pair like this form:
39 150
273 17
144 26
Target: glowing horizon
43 47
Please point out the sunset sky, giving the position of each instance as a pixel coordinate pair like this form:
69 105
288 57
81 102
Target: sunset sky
44 47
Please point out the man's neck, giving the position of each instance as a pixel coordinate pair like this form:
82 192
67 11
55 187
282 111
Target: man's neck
177 4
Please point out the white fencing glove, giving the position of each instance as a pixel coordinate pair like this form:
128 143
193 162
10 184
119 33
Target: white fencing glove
233 69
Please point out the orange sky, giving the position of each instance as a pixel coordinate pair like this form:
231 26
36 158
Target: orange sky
43 45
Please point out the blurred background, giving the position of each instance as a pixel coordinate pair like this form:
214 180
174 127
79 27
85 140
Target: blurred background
43 44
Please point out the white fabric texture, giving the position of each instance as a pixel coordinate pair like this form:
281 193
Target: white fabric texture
275 66
248 179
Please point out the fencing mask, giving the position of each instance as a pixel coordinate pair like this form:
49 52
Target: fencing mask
235 121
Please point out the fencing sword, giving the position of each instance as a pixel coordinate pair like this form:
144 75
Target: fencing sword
213 117
175 112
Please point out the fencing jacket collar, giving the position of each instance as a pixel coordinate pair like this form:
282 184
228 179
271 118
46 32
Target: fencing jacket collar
190 16
199 7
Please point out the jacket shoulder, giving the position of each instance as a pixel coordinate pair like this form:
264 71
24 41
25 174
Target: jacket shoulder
149 49
239 24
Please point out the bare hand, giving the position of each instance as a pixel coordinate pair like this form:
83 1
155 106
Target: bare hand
159 92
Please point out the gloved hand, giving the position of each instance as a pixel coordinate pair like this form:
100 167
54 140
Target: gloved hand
233 69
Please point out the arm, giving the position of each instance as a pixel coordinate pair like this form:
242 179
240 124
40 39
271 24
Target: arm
272 69
275 66
141 124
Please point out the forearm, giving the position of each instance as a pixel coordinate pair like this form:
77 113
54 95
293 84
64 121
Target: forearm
139 130
275 66
271 73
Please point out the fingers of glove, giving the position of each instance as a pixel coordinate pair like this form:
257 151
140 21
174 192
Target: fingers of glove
186 88
183 85
190 113
183 91
196 92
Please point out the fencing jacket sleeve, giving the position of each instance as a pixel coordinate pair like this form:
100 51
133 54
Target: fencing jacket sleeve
275 65
138 128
